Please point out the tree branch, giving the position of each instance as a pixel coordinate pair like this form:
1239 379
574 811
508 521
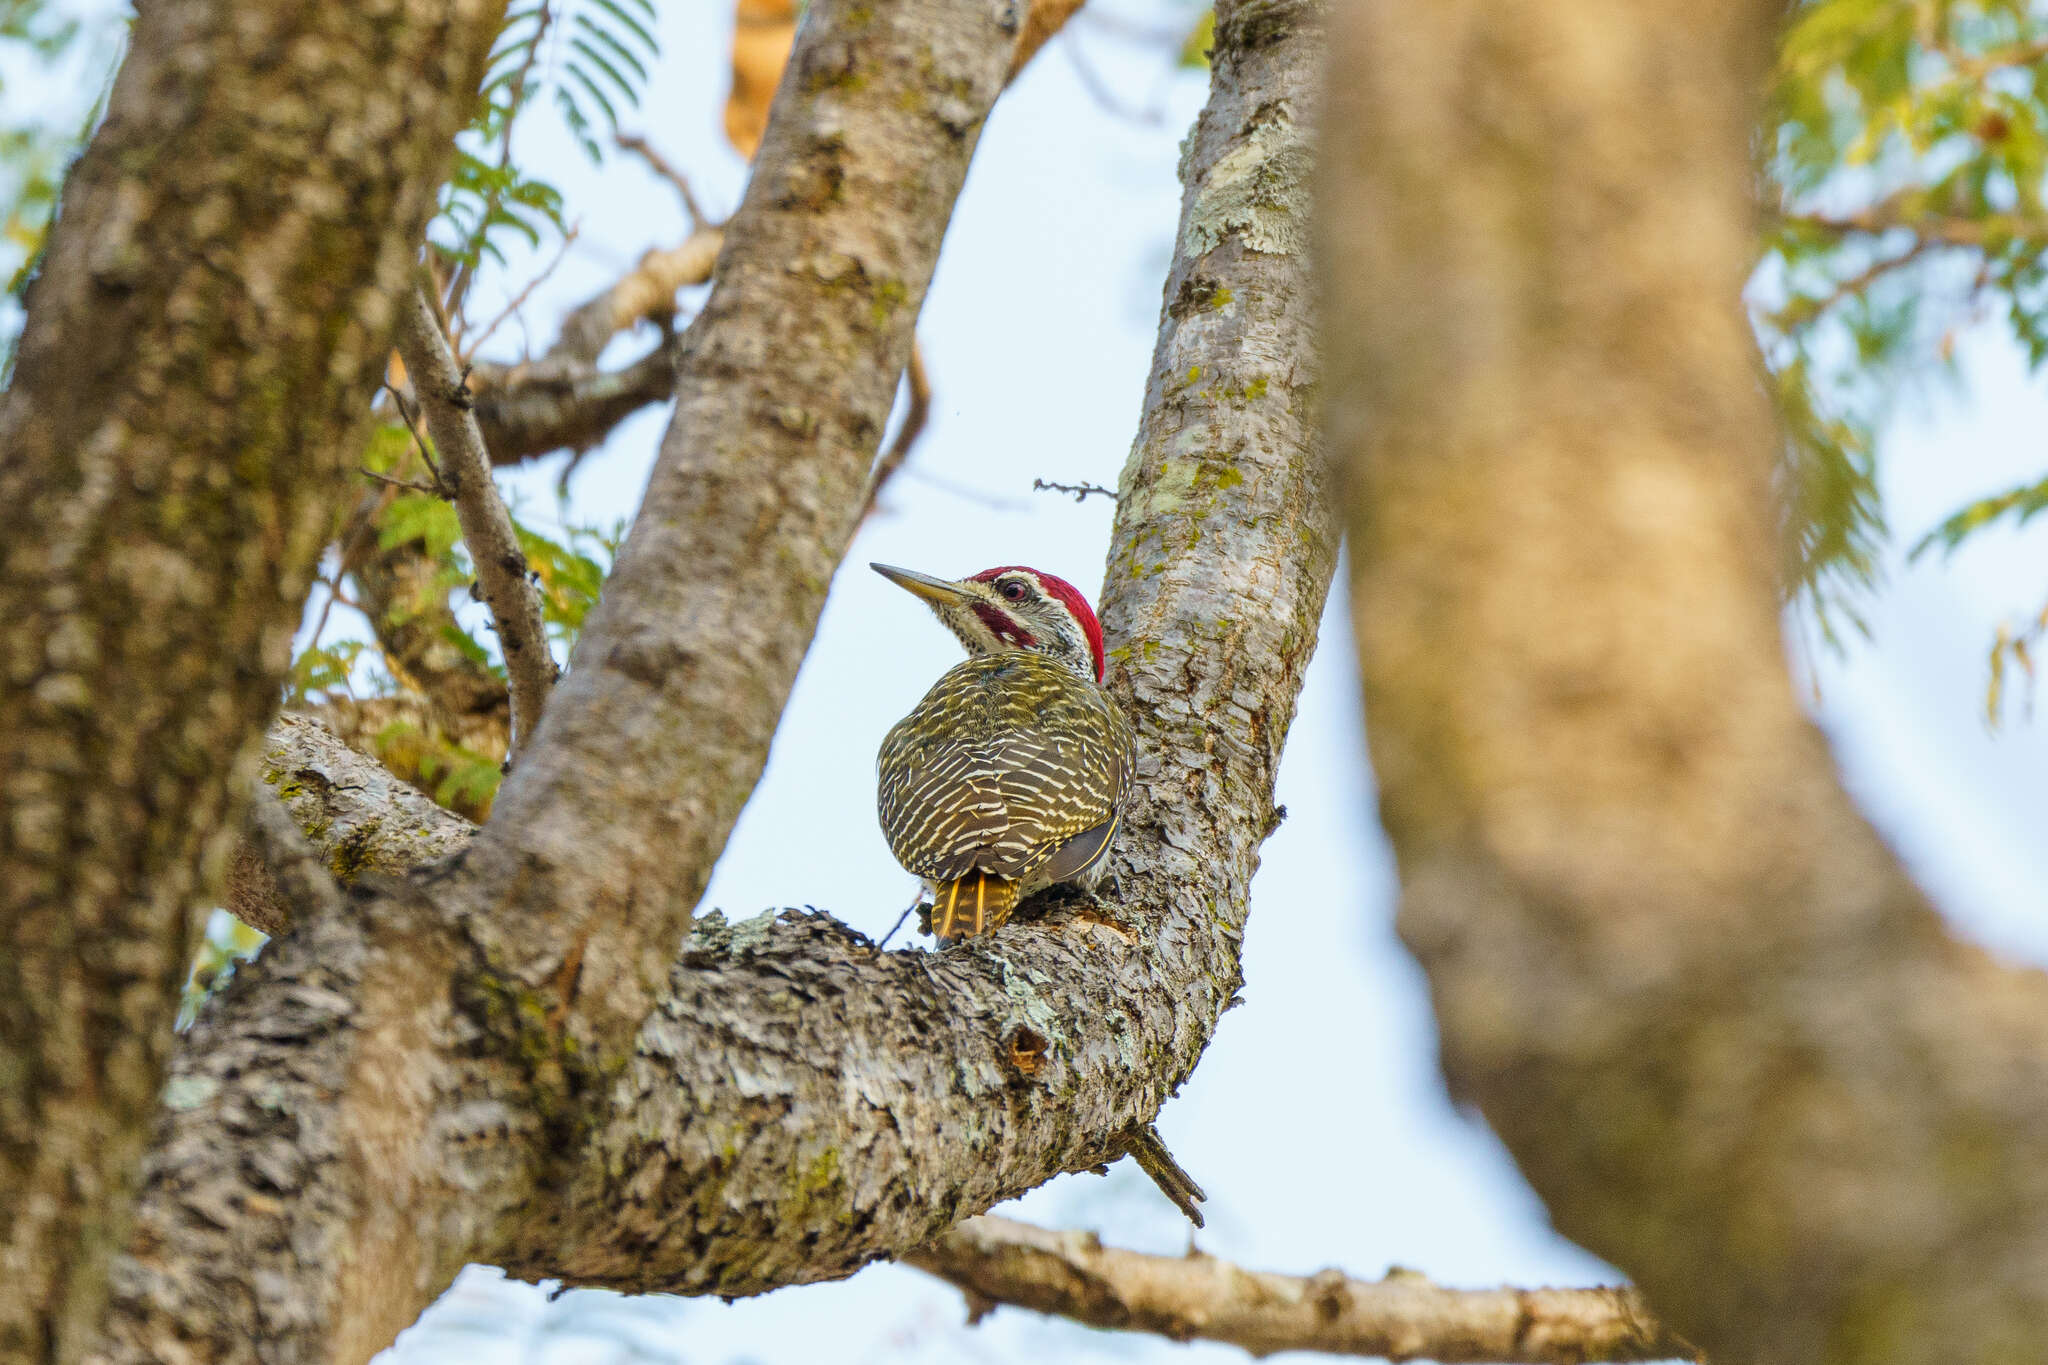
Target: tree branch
1197 1297
291 873
915 416
1899 213
358 820
487 529
564 400
1722 1033
645 292
526 412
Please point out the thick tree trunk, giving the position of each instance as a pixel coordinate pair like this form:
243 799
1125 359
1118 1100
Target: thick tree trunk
432 1076
189 396
1724 1036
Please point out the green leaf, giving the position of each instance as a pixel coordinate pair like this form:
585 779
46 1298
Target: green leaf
419 517
1915 117
617 50
2022 504
320 671
389 444
1194 49
582 77
642 35
569 572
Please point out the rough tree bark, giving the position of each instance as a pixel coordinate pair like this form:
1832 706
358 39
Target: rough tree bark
186 404
364 820
1726 1039
435 1076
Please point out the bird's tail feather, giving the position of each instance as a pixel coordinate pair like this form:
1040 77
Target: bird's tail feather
977 903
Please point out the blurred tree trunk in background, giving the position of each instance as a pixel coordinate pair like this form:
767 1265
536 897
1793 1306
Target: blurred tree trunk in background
1723 1035
188 403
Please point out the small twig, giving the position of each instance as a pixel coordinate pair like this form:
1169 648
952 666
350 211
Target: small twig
659 164
1079 490
486 526
1098 89
1148 1149
1814 310
914 419
647 292
1893 214
899 922
414 484
419 442
333 587
518 302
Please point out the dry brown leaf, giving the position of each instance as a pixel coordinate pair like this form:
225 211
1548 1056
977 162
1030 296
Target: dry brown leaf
762 31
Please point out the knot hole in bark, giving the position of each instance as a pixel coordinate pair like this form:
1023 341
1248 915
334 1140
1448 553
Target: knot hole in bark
1024 1051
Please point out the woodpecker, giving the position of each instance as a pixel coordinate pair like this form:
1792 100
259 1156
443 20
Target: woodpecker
1012 773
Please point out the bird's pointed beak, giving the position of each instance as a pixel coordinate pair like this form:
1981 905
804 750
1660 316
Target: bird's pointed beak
937 591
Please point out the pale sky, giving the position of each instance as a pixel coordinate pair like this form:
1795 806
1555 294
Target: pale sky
1039 331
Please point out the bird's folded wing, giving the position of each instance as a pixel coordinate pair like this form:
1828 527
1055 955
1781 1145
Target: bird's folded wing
995 803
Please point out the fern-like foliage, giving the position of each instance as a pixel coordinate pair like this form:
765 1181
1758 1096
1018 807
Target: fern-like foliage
2022 504
588 59
1906 153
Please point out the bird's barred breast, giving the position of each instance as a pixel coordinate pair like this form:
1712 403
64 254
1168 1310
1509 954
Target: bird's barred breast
1004 759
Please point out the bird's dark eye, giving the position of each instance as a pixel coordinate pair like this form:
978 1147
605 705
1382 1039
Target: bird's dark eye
1013 590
